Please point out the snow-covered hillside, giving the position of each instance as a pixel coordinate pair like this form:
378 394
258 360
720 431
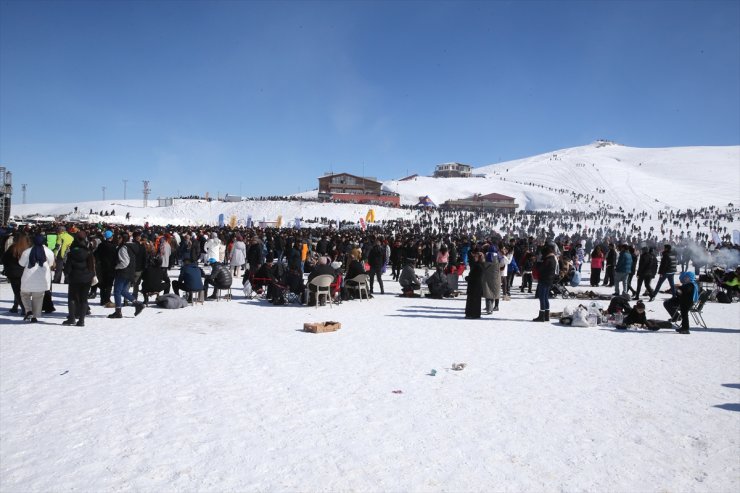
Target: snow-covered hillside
643 179
583 178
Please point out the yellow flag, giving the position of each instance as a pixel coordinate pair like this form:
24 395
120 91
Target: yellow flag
232 221
370 216
279 221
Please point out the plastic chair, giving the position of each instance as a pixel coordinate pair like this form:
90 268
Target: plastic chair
323 288
359 282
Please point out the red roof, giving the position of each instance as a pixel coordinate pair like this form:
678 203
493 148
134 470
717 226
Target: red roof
492 197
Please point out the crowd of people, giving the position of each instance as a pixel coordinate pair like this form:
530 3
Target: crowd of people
122 266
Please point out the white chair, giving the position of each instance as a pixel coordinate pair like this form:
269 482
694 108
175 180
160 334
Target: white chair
323 288
359 282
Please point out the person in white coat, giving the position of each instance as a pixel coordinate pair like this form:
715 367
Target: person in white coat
238 256
38 262
212 246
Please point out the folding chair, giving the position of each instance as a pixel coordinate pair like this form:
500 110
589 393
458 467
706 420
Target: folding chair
264 283
696 310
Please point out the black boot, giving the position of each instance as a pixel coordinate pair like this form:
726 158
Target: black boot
69 321
540 318
547 315
116 314
138 307
495 305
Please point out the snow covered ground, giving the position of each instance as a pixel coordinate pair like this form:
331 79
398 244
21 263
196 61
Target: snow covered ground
233 396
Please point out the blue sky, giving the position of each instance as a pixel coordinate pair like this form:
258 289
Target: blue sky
263 97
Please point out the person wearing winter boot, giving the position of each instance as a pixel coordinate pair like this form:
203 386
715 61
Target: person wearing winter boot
548 270
125 274
491 282
680 304
79 270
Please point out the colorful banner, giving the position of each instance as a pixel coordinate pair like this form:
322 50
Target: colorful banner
370 216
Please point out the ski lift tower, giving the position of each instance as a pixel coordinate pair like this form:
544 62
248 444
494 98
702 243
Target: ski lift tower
6 190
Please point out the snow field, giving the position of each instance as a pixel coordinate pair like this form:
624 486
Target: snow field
234 396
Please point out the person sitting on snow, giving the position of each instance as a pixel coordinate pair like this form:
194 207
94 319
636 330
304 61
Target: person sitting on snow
408 279
438 284
636 316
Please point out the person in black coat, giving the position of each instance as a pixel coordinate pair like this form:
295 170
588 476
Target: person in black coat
354 269
647 267
636 316
475 287
666 270
611 262
376 259
548 270
106 257
79 270
683 300
14 271
219 278
321 269
152 278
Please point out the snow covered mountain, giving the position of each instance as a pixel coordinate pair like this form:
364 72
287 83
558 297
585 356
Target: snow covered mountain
584 178
643 179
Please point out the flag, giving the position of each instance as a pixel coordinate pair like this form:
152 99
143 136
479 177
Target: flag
221 221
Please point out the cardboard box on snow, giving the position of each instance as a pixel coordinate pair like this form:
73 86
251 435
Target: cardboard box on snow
318 327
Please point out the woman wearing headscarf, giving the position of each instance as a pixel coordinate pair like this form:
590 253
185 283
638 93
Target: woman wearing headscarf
238 255
37 261
686 295
475 287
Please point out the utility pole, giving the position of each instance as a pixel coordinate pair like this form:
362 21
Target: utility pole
147 190
124 189
103 192
24 187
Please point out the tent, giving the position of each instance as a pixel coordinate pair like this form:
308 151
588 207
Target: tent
425 201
